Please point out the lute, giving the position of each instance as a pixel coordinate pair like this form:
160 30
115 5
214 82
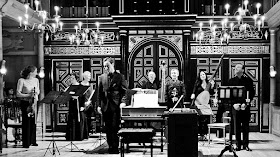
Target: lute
204 97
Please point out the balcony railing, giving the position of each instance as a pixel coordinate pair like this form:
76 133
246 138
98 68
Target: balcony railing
105 8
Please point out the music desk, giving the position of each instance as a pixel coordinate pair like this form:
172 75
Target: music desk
136 135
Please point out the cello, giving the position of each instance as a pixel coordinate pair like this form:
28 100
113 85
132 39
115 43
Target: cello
204 97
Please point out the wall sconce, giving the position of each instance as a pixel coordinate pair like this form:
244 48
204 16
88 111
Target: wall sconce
41 73
3 69
272 71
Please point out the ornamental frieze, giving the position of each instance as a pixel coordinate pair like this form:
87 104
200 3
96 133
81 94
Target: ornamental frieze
75 50
230 49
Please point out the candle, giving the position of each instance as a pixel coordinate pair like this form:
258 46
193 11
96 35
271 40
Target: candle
255 19
20 21
80 25
210 22
54 27
36 4
200 25
231 26
262 18
56 8
258 5
26 8
247 94
238 18
44 16
227 7
61 25
97 25
245 4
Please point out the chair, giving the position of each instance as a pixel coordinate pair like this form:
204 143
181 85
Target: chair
226 122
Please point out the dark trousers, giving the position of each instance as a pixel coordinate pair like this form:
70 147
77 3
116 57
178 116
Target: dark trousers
29 126
241 120
112 123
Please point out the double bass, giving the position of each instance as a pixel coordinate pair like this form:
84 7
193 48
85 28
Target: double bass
204 97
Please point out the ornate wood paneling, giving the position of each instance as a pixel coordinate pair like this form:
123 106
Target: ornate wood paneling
216 49
78 50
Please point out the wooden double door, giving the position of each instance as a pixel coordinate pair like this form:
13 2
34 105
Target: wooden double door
149 57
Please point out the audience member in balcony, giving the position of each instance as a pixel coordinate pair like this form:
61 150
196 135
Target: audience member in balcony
111 89
28 91
241 107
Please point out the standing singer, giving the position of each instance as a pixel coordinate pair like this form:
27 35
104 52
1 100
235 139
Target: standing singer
111 89
241 108
27 92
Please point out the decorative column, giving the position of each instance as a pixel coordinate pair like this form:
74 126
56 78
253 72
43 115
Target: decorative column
41 125
273 49
124 51
1 77
1 58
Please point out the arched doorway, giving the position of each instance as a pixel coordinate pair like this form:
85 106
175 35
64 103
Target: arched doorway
148 55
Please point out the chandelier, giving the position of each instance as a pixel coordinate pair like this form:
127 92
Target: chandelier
230 28
81 36
87 36
42 25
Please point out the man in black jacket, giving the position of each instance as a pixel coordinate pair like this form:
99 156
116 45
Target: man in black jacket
111 90
241 108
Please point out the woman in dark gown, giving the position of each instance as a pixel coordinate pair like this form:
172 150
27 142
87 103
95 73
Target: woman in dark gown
200 86
73 132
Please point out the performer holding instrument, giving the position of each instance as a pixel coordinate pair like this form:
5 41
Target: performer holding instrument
27 92
199 87
174 89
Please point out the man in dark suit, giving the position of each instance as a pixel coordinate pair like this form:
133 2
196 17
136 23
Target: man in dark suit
111 89
241 108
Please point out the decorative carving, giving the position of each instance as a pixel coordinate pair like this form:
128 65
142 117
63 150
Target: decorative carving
134 40
230 49
175 39
59 50
64 36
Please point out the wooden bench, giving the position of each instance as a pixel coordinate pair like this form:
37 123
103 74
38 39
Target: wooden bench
136 135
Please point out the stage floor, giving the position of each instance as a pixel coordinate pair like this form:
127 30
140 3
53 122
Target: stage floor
262 144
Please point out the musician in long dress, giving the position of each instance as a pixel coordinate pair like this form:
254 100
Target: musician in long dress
28 91
174 89
241 108
86 107
111 90
200 86
73 131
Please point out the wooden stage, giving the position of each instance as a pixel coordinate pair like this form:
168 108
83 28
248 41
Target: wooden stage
262 144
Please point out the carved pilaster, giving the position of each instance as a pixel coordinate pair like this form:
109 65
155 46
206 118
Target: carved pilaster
124 50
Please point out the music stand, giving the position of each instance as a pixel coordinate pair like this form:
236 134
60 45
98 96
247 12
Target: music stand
230 94
75 90
54 97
